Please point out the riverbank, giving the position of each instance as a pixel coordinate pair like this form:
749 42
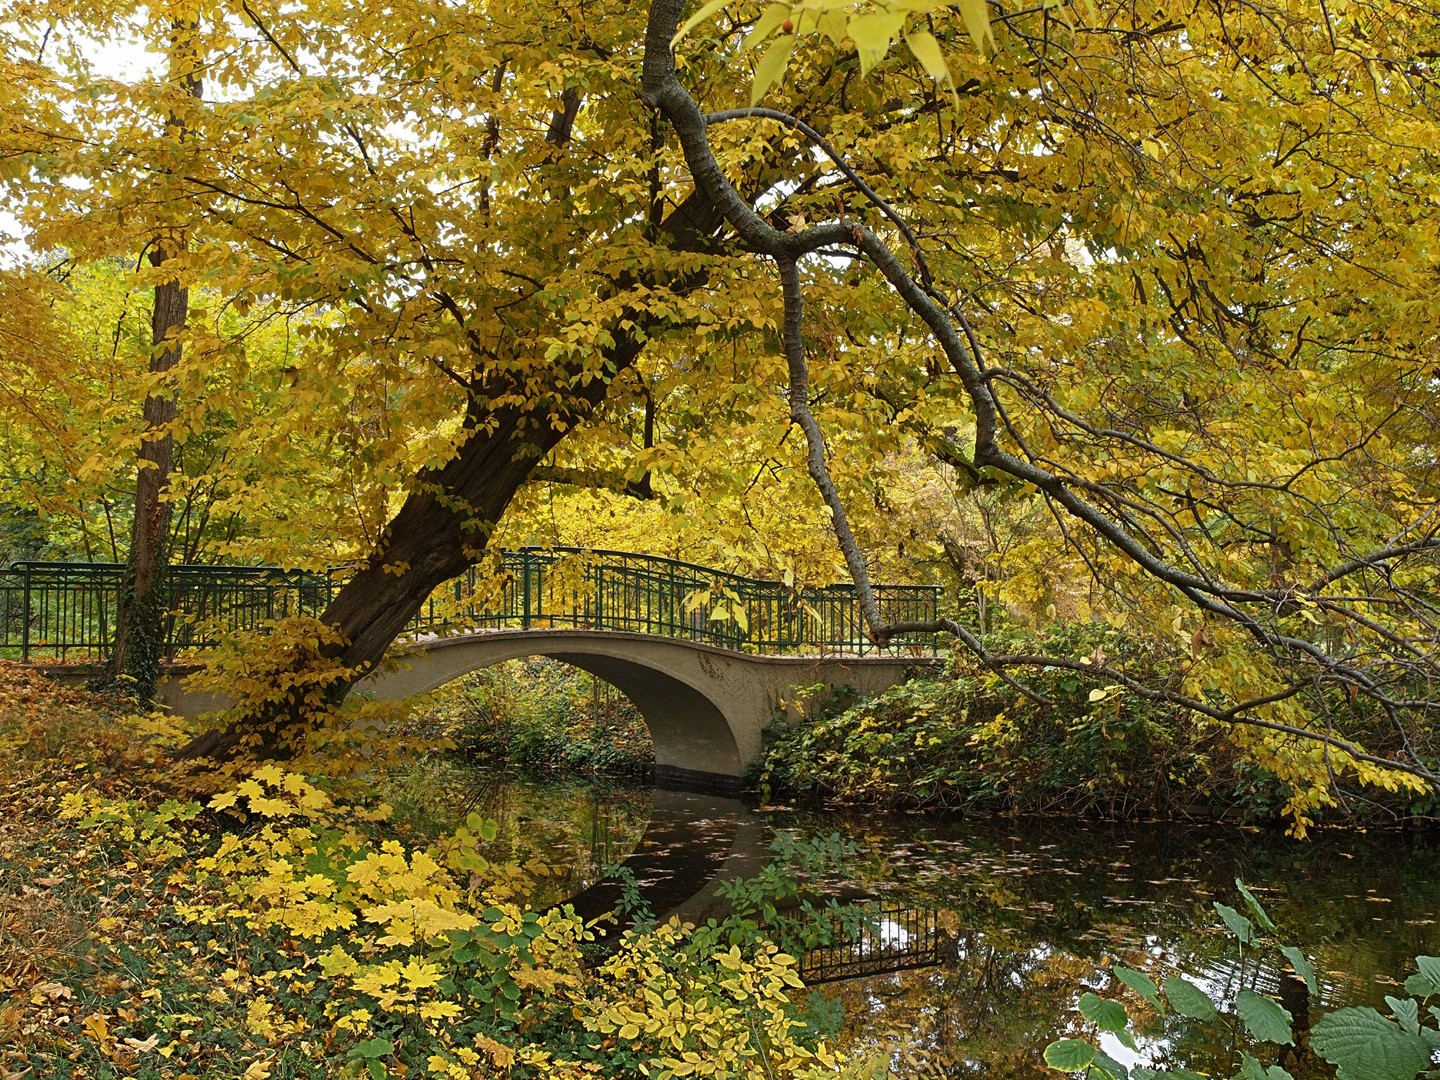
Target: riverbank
967 741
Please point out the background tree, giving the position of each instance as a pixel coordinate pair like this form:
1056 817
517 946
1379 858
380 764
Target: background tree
140 613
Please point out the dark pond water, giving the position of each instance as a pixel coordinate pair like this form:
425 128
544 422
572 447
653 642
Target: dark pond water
1032 911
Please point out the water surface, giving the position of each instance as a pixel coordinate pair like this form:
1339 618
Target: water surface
1036 911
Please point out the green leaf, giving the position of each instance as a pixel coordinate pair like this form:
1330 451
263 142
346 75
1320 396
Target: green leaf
1265 1017
1406 1011
1239 925
1109 1066
1426 982
1250 1069
490 829
695 20
976 14
1254 905
771 66
1188 999
1302 967
872 35
376 1070
1069 1055
1363 1045
1141 984
769 19
373 1048
1108 1015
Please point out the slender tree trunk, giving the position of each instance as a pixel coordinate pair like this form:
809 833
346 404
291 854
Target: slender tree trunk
140 616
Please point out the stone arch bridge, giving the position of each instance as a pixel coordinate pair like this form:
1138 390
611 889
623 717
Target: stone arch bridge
707 657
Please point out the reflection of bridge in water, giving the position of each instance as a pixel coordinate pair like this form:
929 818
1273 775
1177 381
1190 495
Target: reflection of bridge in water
694 843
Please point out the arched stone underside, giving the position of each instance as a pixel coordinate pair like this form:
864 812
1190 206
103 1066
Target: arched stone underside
706 707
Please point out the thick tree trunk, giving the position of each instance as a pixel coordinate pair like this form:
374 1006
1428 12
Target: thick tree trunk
442 528
445 524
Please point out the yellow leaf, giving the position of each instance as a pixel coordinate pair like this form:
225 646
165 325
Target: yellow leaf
771 66
976 14
872 35
695 20
927 50
769 19
832 25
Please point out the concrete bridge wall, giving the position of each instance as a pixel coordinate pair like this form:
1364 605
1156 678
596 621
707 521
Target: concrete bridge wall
705 706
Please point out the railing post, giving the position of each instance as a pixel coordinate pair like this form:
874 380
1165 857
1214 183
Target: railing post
525 593
25 620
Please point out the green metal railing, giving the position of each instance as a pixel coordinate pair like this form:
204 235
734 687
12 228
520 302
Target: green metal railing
67 610
645 594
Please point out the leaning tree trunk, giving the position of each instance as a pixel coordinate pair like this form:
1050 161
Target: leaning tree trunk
445 524
139 644
442 528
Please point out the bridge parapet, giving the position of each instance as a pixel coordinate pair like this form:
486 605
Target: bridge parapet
66 610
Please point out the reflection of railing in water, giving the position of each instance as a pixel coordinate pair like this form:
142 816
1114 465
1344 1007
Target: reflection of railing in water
895 939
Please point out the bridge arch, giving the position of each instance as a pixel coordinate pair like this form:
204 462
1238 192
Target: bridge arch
705 706
701 737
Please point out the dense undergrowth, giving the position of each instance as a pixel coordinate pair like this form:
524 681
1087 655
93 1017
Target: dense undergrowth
967 740
276 929
544 715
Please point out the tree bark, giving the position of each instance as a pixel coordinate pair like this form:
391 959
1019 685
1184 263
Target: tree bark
139 646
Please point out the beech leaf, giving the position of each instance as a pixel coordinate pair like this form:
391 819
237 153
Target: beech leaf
1363 1045
1188 999
1141 984
1302 967
1239 925
1106 1014
1069 1055
1254 905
